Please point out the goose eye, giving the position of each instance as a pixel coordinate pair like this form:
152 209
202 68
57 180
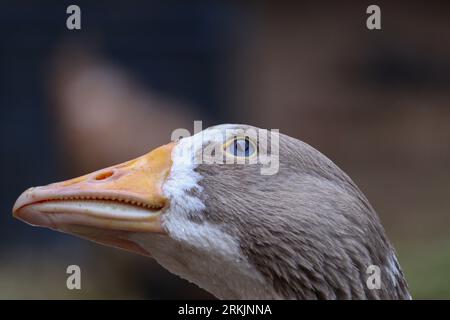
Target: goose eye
241 147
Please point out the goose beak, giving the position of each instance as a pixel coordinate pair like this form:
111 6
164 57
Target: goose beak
106 205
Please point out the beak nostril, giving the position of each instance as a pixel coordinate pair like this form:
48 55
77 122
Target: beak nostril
104 175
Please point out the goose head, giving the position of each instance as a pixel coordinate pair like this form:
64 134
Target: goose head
240 211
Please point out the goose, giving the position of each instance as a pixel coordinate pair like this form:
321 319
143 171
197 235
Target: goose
276 220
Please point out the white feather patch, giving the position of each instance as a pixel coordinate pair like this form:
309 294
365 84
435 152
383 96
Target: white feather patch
199 252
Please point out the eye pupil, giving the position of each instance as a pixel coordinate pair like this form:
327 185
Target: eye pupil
241 147
247 147
235 147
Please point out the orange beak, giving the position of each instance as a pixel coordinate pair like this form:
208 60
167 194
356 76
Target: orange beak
106 205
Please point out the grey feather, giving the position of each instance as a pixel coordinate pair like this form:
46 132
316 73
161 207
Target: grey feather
308 229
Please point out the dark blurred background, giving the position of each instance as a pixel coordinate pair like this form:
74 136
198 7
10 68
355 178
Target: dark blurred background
376 102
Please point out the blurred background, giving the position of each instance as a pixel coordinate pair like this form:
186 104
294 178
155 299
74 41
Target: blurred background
376 102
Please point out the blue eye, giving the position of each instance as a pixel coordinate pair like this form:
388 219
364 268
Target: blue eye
241 147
